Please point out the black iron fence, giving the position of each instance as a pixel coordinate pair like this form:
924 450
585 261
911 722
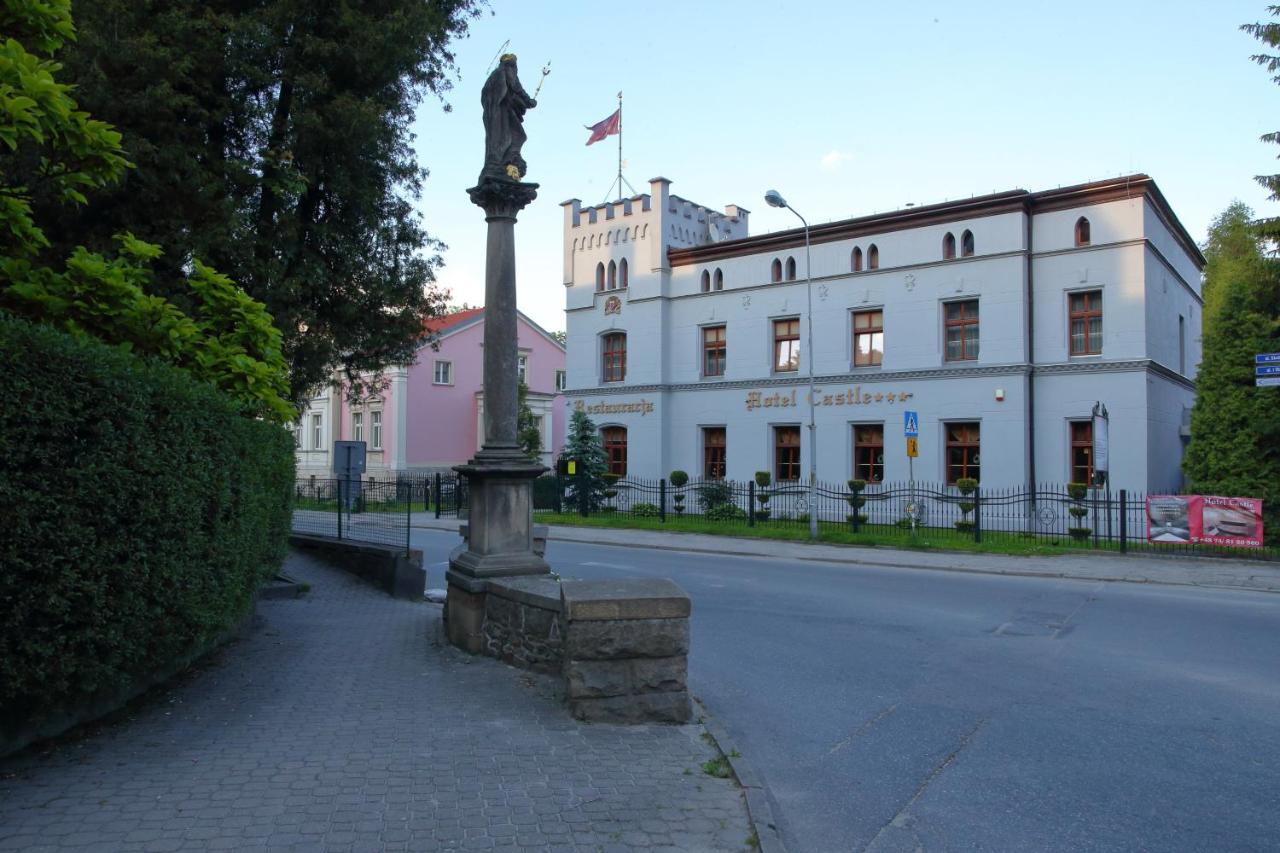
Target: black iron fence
365 511
1065 515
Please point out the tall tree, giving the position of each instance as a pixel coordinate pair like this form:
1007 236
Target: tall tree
1269 34
527 432
272 139
585 488
1235 426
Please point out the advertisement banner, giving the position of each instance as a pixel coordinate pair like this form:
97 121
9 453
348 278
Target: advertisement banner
1205 519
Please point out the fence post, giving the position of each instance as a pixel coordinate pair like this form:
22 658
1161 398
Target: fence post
437 494
977 513
1094 503
751 503
559 504
408 514
1124 521
582 496
662 500
341 496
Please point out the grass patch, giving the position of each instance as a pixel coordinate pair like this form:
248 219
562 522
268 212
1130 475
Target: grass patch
717 767
925 539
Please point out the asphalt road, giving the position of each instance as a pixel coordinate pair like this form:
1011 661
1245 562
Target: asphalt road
890 709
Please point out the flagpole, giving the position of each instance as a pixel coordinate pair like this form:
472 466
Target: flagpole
619 143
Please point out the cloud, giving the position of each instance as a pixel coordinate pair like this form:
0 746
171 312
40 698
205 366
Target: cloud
833 158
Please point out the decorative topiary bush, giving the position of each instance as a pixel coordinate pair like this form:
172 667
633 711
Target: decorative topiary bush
713 493
1077 491
143 509
966 486
1078 511
678 479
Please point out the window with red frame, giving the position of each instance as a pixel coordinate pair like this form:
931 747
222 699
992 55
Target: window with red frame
1086 323
1082 451
615 449
713 452
868 452
868 338
962 451
713 350
962 330
786 453
615 357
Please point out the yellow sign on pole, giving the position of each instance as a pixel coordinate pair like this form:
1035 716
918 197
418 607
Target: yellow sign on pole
573 467
913 447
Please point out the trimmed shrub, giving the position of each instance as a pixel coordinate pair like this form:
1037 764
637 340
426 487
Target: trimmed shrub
713 493
726 512
143 509
678 478
646 510
1077 491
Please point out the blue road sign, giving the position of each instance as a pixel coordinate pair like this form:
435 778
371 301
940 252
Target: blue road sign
1267 358
1268 370
910 424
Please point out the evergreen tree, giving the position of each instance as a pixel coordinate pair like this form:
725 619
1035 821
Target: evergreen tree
587 486
527 433
272 139
1235 426
1269 34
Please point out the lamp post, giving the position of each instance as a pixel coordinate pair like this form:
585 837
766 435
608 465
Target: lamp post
774 199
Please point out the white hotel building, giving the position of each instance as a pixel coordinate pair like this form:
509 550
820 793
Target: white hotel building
1000 319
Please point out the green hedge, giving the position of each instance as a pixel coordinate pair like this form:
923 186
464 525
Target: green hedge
141 512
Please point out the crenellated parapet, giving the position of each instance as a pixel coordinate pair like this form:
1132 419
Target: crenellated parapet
641 229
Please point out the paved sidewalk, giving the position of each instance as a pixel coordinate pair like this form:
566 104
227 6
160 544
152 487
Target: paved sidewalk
1226 573
342 722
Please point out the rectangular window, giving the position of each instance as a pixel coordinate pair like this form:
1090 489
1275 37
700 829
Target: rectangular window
561 381
1182 345
522 368
317 435
1082 451
868 452
375 430
357 427
713 452
786 453
962 330
713 351
297 435
444 373
615 449
868 338
615 357
1086 323
786 345
962 451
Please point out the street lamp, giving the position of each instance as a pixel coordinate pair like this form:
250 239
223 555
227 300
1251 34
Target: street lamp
775 199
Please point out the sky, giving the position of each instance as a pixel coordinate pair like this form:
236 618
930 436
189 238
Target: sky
847 108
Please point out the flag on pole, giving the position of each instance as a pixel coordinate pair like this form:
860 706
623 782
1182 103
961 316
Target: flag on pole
609 127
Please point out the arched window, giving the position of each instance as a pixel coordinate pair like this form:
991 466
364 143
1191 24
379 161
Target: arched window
613 365
622 272
1082 232
614 439
856 261
775 271
600 276
613 276
791 269
966 244
706 281
719 279
948 246
873 257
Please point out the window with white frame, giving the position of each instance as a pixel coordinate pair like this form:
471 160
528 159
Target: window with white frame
444 373
522 368
317 432
297 430
375 430
357 426
562 380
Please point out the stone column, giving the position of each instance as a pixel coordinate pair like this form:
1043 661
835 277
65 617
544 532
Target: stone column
500 477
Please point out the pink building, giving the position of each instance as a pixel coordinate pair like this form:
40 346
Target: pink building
429 415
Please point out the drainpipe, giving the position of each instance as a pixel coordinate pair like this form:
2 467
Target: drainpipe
1031 358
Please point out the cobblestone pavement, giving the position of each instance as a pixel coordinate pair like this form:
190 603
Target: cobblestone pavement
342 722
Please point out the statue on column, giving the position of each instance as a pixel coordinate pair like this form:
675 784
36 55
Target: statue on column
505 102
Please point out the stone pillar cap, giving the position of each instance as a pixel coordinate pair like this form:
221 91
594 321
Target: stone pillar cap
632 598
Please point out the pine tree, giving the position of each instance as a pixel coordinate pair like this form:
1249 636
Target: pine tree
1235 426
586 487
528 435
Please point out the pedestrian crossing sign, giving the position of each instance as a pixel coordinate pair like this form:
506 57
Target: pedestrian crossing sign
910 424
913 447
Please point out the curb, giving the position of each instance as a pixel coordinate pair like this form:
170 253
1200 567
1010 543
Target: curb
759 811
557 533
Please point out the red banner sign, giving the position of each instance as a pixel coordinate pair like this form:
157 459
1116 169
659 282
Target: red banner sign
1205 519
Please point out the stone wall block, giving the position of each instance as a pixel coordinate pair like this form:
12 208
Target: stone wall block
599 678
632 638
642 708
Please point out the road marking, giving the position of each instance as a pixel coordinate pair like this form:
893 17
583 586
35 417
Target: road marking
607 566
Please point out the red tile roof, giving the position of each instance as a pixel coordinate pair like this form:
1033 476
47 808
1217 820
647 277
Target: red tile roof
439 325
